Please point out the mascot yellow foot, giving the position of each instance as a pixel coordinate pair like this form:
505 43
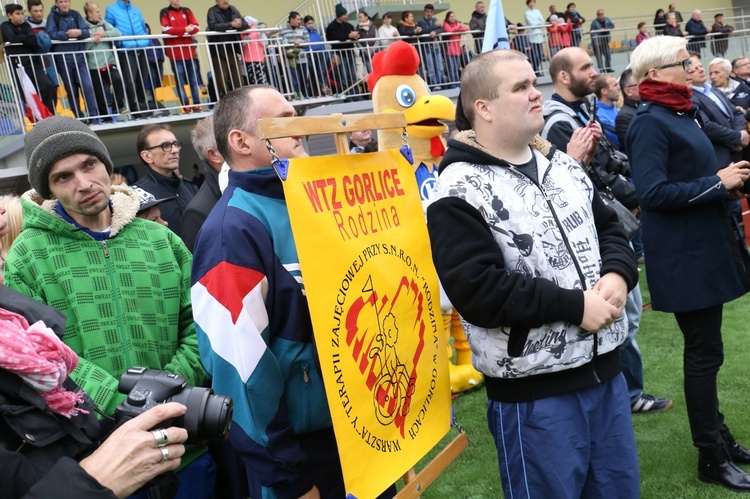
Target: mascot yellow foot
463 375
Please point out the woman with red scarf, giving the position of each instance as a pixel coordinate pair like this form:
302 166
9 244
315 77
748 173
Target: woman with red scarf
695 261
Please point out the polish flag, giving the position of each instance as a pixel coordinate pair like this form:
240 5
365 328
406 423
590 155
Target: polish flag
38 110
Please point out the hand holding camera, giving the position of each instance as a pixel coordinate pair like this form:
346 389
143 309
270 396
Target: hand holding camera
208 416
130 456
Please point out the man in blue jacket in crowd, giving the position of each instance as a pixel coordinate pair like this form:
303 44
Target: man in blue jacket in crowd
128 18
65 24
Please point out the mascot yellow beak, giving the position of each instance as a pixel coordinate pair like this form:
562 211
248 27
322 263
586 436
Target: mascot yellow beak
422 117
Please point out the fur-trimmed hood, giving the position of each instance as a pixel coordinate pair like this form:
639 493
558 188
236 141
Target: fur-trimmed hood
125 205
464 147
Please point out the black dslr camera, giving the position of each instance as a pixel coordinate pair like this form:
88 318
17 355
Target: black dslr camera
208 416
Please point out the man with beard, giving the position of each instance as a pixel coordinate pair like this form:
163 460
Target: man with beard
574 76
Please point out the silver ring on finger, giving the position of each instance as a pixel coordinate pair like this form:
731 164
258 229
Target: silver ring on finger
164 454
161 437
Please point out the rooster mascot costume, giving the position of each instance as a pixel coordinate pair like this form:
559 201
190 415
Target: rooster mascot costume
396 87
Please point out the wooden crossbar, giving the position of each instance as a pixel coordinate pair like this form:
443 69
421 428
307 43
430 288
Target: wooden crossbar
337 124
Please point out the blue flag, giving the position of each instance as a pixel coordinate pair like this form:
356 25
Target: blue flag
495 34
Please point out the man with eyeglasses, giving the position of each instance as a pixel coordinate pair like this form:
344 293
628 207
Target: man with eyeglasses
631 101
741 70
159 149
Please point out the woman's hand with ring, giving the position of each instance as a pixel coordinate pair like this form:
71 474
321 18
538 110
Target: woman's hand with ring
131 455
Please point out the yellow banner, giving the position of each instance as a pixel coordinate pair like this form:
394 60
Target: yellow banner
375 304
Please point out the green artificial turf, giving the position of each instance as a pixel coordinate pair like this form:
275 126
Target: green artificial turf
668 460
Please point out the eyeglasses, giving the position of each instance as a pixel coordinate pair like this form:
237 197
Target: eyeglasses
166 146
685 63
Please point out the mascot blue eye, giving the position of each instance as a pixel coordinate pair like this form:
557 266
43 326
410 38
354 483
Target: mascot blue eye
405 96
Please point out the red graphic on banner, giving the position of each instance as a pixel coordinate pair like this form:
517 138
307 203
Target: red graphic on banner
374 346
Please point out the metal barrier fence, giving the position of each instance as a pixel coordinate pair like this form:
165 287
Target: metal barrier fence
107 84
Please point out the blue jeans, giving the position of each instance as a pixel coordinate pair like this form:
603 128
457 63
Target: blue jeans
579 444
184 71
630 354
74 73
348 70
454 62
434 60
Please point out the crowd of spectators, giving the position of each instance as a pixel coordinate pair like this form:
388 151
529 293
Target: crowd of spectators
303 60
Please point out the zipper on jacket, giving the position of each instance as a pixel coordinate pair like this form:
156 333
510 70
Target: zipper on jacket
557 221
594 336
717 186
596 355
118 305
305 377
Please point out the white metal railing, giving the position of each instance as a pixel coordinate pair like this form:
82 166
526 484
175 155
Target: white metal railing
309 74
325 10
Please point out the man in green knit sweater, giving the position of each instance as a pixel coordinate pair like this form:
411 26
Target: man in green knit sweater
123 282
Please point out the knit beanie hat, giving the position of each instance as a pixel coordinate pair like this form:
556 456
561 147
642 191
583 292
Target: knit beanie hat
340 10
53 139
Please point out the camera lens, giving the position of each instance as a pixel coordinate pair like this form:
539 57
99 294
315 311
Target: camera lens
208 416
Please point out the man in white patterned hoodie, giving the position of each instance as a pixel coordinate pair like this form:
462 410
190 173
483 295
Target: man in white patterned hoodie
540 276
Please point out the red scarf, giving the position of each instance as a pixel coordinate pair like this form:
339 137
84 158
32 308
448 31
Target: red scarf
665 94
